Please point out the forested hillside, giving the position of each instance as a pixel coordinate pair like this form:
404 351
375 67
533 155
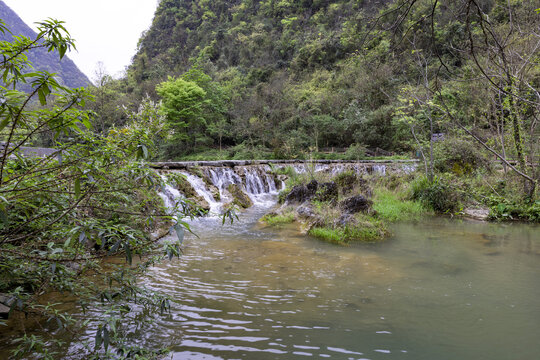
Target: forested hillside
41 59
296 76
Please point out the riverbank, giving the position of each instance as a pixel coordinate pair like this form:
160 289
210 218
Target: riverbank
346 207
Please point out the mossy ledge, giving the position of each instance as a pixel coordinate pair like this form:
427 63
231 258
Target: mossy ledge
344 208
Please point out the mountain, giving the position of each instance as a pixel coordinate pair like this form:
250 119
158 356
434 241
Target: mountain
291 76
67 71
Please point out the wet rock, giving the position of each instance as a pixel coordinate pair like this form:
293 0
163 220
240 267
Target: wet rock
298 194
4 311
356 204
214 191
312 186
183 185
5 305
477 214
200 202
240 198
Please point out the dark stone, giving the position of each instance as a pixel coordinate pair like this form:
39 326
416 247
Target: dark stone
302 193
4 312
356 204
240 197
5 305
312 186
328 192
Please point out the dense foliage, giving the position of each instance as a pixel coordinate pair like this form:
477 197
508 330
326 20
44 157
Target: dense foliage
298 77
64 214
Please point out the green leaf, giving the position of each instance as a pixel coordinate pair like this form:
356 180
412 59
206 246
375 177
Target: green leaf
82 237
4 123
99 339
179 232
42 97
77 188
106 338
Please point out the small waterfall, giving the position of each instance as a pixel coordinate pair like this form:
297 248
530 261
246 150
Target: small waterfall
258 182
170 196
259 185
199 186
379 169
223 177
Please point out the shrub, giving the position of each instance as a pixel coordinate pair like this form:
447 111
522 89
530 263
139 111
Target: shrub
365 229
458 156
437 195
346 179
355 152
501 209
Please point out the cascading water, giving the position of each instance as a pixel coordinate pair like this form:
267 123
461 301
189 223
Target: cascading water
170 195
257 181
216 207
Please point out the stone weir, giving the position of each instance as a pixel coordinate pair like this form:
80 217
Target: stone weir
215 185
233 163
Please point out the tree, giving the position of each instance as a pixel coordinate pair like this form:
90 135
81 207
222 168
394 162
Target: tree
183 105
501 54
62 214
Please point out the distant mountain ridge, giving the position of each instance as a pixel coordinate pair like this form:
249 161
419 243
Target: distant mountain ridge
66 70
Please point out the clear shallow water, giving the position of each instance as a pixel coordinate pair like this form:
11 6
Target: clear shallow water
438 289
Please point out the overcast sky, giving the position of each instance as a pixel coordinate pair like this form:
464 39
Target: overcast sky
104 30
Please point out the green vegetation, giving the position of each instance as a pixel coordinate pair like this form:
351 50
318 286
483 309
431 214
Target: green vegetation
345 208
349 80
392 206
42 60
63 215
453 82
278 219
368 230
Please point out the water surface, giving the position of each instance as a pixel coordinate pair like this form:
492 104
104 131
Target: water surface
437 289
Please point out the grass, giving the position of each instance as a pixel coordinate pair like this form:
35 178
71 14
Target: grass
392 206
278 219
336 236
367 229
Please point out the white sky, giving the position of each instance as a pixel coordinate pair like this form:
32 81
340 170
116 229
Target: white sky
104 30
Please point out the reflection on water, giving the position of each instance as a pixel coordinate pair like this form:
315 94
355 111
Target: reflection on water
439 289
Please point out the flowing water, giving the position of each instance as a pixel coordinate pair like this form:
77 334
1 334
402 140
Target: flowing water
438 289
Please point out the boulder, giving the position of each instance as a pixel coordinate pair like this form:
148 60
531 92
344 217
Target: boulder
5 305
200 202
215 192
328 192
356 204
240 198
302 193
477 214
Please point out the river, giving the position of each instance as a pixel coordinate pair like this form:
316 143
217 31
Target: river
436 289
